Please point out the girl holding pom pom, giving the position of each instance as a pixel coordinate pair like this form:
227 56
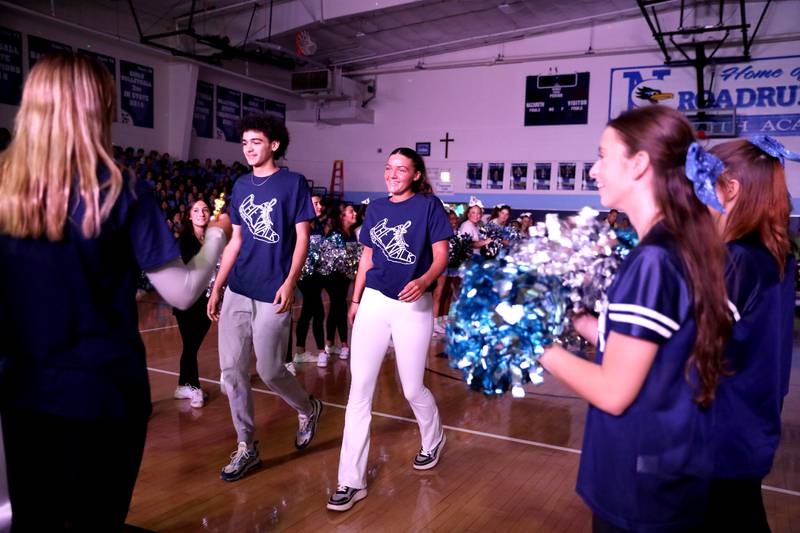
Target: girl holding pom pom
646 463
342 218
760 280
405 250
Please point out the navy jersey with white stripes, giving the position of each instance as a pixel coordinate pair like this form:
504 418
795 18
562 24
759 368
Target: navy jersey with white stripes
648 468
747 407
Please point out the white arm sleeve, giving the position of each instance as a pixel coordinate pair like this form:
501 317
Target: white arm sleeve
181 284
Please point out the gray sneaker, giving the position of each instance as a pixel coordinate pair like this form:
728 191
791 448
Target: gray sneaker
345 498
243 460
308 425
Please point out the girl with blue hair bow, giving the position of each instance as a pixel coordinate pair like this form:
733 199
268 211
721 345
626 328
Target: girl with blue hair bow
760 282
646 463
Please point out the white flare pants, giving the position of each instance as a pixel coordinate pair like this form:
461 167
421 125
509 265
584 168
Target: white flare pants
410 326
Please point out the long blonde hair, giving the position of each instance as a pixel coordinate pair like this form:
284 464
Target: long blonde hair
62 136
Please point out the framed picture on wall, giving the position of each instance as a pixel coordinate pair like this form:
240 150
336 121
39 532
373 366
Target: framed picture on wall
542 176
474 175
519 176
496 175
566 177
424 149
588 183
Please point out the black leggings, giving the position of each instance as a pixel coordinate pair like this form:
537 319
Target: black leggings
67 474
736 505
193 325
312 309
337 286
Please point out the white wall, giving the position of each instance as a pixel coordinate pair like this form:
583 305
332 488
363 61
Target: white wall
482 108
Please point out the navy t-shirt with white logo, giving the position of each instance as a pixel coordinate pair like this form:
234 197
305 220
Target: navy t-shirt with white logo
649 468
69 319
267 210
401 235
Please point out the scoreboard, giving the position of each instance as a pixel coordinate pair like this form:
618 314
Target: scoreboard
557 99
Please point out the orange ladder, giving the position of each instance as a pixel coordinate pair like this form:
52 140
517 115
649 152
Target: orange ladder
337 180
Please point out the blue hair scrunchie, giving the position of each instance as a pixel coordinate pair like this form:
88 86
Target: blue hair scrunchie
771 146
703 169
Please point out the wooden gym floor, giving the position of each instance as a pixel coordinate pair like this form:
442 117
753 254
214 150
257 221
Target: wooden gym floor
509 464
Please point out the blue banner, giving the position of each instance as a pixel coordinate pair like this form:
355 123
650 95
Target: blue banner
764 93
10 66
203 118
109 62
136 90
229 111
252 105
277 109
38 47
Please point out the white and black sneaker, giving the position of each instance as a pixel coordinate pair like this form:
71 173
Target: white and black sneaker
427 460
345 498
243 460
307 425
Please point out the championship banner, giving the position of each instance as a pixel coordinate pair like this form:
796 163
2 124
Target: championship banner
10 66
229 111
109 62
136 91
38 47
203 117
763 93
277 109
252 105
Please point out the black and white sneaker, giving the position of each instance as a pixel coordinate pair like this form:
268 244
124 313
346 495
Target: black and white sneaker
307 425
427 460
345 498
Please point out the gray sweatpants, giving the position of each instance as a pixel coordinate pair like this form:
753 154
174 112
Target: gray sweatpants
247 325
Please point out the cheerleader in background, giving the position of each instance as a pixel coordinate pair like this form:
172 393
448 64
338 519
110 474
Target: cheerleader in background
646 462
501 215
446 287
342 219
312 311
525 222
361 213
74 392
193 323
405 250
472 224
760 281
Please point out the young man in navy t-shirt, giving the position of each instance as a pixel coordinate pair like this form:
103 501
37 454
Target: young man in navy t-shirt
270 210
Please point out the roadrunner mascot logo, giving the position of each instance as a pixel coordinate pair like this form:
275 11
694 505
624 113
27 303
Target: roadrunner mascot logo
390 241
258 219
643 87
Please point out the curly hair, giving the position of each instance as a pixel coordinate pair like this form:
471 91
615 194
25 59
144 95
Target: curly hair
272 127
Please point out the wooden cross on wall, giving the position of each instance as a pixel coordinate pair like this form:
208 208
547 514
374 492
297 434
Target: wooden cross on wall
447 140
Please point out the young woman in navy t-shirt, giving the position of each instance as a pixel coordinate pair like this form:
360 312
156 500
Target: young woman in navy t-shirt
75 235
405 240
760 280
646 463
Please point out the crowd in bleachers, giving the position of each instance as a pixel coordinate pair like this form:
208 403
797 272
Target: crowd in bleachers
178 184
